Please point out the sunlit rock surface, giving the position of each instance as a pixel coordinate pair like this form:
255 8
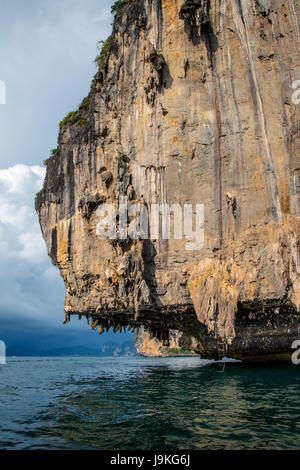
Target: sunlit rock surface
192 104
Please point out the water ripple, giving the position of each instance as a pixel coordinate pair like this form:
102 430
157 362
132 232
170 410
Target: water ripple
137 403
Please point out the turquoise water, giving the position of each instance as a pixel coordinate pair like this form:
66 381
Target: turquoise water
142 404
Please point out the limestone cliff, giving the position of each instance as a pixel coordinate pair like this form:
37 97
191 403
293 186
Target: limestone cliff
176 344
192 104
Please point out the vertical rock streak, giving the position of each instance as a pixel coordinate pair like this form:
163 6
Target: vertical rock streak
293 9
211 47
267 157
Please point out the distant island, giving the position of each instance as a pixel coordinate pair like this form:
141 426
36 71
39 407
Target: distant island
109 349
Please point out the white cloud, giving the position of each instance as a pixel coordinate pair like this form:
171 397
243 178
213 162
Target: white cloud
22 179
29 286
47 54
19 226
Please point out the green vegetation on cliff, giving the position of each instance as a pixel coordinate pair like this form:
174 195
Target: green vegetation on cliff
178 351
53 154
99 60
106 45
76 117
119 4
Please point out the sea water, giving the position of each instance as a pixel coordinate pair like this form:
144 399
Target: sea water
147 404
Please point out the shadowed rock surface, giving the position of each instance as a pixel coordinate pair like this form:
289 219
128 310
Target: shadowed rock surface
192 104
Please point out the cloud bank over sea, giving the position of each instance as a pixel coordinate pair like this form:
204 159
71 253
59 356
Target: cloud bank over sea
30 286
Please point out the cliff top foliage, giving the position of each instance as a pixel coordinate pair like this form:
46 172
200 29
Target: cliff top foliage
53 154
115 9
74 117
119 4
77 117
99 60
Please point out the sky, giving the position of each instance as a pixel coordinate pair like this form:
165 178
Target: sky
47 51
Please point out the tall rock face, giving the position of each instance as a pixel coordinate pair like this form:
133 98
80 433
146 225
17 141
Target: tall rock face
192 104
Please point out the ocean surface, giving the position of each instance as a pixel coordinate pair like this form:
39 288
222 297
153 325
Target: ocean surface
147 404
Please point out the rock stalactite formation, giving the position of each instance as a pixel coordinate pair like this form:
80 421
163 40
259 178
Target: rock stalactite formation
192 104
